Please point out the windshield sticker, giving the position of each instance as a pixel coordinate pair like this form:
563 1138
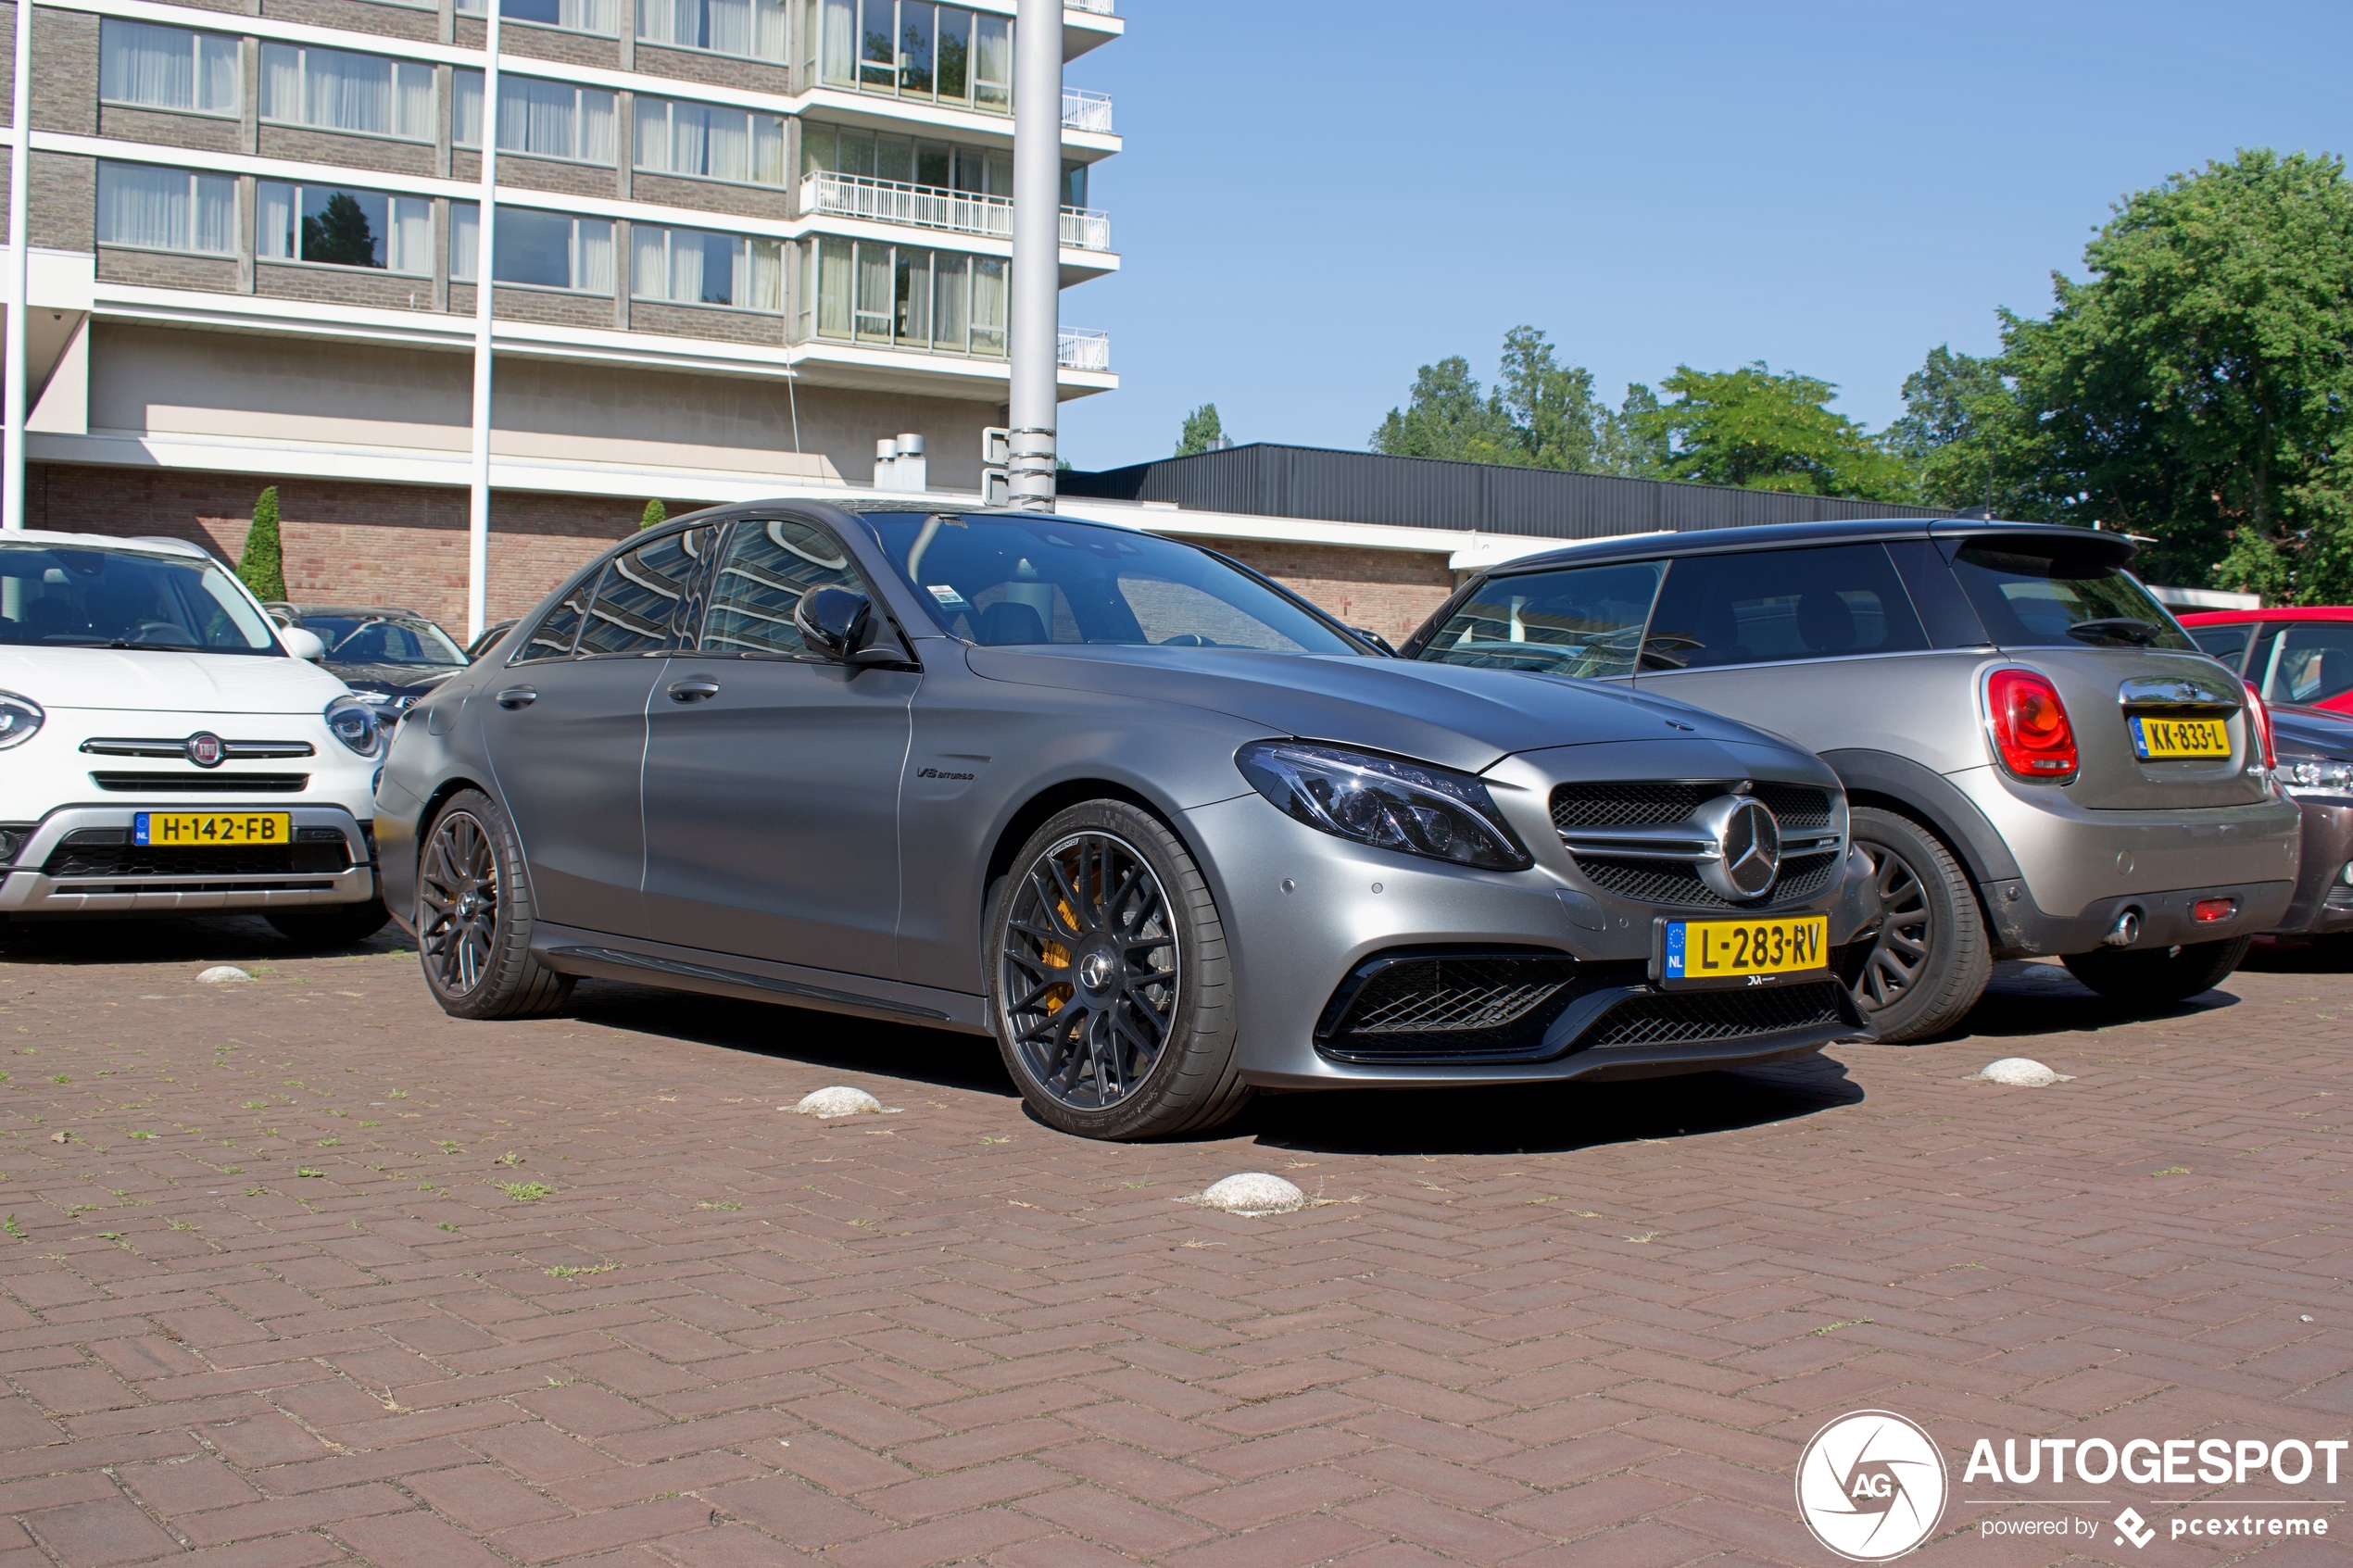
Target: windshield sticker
949 599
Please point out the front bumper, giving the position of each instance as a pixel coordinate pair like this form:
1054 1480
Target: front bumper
45 879
1304 911
2323 900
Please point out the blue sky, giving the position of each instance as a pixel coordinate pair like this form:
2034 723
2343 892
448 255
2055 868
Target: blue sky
1317 199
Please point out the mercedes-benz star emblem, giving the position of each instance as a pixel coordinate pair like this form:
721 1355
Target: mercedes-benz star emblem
1094 970
204 749
1748 847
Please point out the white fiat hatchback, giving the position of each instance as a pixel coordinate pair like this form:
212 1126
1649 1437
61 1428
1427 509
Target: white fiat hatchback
164 749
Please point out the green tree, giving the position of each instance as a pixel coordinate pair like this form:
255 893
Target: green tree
1202 432
2197 386
654 515
1447 415
1631 442
340 233
1760 430
1957 433
1554 421
262 565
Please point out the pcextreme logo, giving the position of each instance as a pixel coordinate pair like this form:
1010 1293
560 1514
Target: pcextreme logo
1871 1485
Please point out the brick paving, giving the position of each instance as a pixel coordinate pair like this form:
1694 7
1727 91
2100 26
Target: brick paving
320 1275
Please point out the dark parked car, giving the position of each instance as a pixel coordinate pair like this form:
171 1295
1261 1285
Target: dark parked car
1165 830
2040 760
388 657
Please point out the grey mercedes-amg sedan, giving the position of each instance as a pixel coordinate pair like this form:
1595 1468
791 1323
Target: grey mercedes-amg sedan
1165 831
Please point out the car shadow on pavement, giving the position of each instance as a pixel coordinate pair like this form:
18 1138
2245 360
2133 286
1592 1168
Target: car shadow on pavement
833 1042
2031 997
1544 1118
2335 957
236 939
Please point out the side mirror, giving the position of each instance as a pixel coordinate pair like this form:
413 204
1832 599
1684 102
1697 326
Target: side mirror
302 643
1375 639
833 621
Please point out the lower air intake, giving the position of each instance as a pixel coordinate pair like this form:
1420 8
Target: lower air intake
1696 1018
1471 1005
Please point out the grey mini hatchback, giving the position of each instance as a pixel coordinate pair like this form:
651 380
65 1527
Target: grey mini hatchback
2038 759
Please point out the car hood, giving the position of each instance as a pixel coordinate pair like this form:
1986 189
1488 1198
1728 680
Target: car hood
2317 732
1448 714
157 680
399 680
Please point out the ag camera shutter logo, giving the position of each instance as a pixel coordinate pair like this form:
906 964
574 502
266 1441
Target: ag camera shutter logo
1871 1485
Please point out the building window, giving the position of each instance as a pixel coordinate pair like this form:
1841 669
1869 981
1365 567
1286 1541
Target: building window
167 209
754 28
332 226
904 296
539 119
548 250
711 143
168 68
695 266
840 150
914 49
574 16
332 89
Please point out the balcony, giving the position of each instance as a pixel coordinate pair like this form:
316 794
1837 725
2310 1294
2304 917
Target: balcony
1083 348
1083 110
928 206
1099 7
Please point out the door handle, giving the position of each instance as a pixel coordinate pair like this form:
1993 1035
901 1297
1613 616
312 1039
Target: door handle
518 697
695 690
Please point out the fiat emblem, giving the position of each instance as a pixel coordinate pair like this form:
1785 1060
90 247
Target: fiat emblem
204 749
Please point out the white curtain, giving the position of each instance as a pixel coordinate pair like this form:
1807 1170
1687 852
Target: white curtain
727 26
274 223
346 92
727 143
841 43
408 239
768 149
686 266
219 76
465 129
768 23
281 81
592 269
587 16
760 274
465 222
596 126
688 143
142 206
653 133
537 116
650 262
138 64
833 287
988 307
413 101
216 214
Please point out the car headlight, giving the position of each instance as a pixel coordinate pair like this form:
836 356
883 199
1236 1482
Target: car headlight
20 717
354 724
2314 775
1388 804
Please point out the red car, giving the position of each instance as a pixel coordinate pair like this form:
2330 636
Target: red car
2290 656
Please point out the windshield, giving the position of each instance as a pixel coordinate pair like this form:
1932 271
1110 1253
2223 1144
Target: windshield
384 639
2047 598
1000 580
54 597
1583 622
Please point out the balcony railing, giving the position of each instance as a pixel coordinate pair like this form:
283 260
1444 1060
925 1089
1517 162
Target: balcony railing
1083 348
929 206
1083 110
1100 7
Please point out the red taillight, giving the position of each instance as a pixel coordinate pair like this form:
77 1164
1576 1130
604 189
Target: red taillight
2258 721
2029 725
2206 911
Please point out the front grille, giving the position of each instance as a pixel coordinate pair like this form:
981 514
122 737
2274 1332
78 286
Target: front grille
202 784
1714 1017
1627 805
1676 883
1796 806
1464 1006
109 852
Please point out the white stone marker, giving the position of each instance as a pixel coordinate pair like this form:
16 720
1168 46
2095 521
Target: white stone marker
2024 1072
1253 1193
221 975
840 1100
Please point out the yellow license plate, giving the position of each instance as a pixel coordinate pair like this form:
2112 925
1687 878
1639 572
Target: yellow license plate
1751 952
202 829
2155 739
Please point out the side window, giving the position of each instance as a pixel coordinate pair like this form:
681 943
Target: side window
769 565
1587 621
2225 643
1824 603
2311 663
646 594
559 628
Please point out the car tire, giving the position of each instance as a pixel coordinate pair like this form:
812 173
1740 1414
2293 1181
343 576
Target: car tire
1929 961
1106 1037
474 917
330 925
2158 976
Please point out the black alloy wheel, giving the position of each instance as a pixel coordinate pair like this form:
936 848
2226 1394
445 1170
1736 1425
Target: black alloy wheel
1929 961
473 918
1108 979
2158 977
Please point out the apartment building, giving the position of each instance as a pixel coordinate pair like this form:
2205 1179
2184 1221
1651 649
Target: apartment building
737 242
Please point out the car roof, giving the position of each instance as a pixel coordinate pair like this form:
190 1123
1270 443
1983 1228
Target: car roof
2231 617
1795 535
56 540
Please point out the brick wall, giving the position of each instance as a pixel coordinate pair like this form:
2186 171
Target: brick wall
692 320
719 70
711 195
343 285
65 75
1385 590
163 128
547 44
161 270
63 201
357 16
346 151
541 174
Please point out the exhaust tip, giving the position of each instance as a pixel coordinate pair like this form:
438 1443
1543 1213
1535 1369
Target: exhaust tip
2125 932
